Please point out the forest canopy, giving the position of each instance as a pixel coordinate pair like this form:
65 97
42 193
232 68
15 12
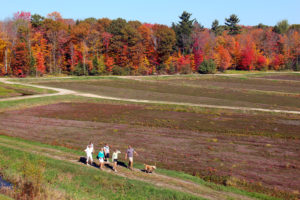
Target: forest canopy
36 45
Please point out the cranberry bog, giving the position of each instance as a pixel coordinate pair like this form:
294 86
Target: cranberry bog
243 91
256 151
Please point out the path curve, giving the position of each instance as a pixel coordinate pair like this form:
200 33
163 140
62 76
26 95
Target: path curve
61 91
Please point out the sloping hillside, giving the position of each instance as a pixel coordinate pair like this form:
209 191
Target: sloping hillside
56 171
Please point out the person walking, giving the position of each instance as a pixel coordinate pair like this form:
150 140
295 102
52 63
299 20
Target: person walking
115 159
101 158
89 157
106 153
129 153
92 146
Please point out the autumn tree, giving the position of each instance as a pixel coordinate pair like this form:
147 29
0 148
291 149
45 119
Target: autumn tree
20 61
199 37
247 58
164 40
80 33
56 33
222 58
32 44
117 49
40 52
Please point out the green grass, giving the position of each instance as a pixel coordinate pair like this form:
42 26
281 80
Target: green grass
4 92
80 182
24 103
32 89
2 197
11 90
247 72
94 183
194 179
59 79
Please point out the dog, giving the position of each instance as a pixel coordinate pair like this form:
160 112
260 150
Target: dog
149 168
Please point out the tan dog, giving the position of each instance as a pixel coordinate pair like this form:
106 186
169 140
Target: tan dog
149 168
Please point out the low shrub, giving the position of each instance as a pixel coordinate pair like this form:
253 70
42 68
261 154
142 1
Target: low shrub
296 67
161 69
186 69
207 67
80 70
32 179
120 71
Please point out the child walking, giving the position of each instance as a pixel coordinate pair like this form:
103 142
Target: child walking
106 153
101 158
115 159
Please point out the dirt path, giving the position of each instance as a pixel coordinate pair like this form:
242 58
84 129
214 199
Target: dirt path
61 91
155 178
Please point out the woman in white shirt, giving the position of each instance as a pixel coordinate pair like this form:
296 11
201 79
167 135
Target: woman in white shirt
89 157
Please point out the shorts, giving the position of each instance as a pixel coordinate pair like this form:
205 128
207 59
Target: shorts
115 160
107 155
101 160
130 159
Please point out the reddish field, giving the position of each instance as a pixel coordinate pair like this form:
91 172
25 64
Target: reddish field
213 145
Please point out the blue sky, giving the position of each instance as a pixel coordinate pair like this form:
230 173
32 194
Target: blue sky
250 12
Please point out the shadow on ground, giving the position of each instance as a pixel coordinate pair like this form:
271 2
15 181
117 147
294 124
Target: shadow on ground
107 165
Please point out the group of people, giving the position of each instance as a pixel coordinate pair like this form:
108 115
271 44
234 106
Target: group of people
104 155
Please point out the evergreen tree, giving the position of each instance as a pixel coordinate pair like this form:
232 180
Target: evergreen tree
282 27
216 29
232 25
183 32
37 20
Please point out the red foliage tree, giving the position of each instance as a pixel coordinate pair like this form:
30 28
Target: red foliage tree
40 63
223 58
22 15
261 62
247 59
109 63
198 55
278 61
20 61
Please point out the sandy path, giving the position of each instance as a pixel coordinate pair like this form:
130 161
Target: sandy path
61 91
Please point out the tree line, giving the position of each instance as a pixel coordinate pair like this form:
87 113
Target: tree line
36 45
